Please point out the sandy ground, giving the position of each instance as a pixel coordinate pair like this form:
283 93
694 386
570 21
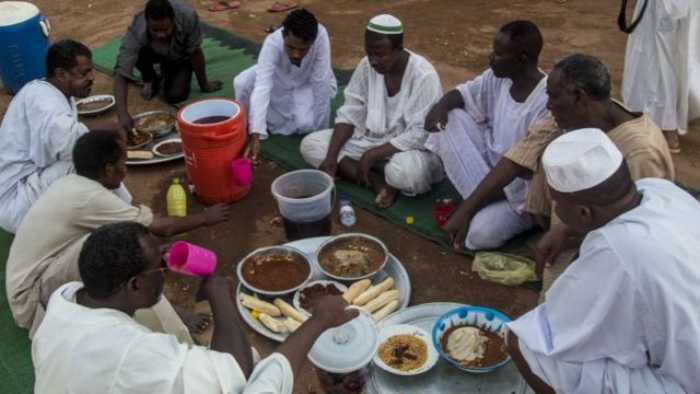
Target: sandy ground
455 34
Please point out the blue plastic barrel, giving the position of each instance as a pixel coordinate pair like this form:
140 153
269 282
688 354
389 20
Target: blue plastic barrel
23 44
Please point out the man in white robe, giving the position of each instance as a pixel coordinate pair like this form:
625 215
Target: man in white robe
657 64
480 120
44 253
379 138
290 90
623 317
89 342
39 130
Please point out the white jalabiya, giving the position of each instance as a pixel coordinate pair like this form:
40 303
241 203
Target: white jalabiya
694 55
656 74
38 132
624 317
474 140
83 350
284 98
379 119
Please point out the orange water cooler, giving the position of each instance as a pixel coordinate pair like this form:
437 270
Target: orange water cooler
213 134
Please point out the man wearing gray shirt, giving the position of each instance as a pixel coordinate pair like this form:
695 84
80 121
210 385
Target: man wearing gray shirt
166 33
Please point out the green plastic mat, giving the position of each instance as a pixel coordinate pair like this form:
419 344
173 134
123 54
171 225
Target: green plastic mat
226 55
16 371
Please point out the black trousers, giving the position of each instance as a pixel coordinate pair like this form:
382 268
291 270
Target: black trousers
175 77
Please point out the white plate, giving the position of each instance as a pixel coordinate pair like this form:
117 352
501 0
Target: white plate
90 99
407 329
297 294
163 142
394 268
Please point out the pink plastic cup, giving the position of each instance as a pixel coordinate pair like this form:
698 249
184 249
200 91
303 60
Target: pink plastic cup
242 172
189 259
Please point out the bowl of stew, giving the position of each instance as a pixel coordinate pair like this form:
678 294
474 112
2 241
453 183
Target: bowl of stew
274 270
352 256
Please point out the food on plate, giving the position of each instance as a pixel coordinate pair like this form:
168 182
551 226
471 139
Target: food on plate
308 296
275 272
383 299
386 310
288 310
273 324
170 148
137 139
93 105
404 352
473 347
374 291
291 324
259 305
154 123
352 257
356 289
139 155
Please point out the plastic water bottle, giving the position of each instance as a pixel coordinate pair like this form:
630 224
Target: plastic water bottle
176 199
347 213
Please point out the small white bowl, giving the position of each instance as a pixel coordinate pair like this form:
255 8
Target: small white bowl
296 301
407 329
157 146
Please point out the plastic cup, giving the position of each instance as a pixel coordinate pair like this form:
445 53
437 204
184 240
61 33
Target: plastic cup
242 172
190 259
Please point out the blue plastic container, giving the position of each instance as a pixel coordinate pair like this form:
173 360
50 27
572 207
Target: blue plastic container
23 44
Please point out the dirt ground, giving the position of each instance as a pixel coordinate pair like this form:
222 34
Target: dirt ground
455 34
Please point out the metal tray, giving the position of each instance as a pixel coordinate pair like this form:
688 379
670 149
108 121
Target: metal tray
157 159
308 246
443 378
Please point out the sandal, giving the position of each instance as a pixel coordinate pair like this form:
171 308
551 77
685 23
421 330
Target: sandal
225 6
674 143
280 6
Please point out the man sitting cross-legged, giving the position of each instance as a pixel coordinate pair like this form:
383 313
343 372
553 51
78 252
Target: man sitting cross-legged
478 122
379 137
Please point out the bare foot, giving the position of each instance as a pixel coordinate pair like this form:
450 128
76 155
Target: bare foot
674 143
147 91
386 197
196 323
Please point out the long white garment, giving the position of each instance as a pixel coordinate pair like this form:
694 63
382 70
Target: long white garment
285 98
656 75
38 133
475 139
379 119
83 350
624 317
694 56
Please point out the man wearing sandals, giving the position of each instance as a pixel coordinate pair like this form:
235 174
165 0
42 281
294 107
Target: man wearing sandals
379 133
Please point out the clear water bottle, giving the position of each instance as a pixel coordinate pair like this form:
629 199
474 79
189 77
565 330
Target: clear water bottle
346 213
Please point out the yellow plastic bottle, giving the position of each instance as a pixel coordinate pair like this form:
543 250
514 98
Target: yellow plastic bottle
176 199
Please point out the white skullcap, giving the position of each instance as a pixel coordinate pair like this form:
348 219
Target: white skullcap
385 24
580 160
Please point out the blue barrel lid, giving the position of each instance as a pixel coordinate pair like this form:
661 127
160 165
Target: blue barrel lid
14 12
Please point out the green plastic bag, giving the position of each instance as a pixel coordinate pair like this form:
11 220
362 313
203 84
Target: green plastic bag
506 269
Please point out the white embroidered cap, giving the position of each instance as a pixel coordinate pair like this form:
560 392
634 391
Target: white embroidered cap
580 160
385 24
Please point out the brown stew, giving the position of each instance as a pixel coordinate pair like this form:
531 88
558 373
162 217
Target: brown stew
352 257
137 139
495 349
275 272
93 105
170 148
155 122
310 295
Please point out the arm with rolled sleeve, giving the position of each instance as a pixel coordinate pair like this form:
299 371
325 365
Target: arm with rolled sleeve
264 80
132 43
426 93
323 83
